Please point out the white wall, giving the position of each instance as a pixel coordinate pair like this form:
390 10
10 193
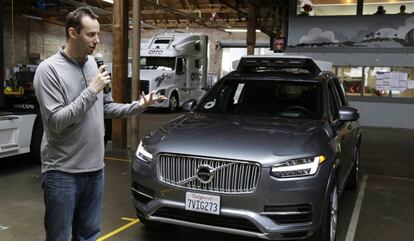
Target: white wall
379 114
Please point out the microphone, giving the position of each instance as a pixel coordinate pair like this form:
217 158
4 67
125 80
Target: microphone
99 61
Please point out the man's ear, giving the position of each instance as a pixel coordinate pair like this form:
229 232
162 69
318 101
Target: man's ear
72 32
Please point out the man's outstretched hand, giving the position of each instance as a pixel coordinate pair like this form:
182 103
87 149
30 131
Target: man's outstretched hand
150 99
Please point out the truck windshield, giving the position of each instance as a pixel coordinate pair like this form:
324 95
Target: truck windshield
288 99
158 63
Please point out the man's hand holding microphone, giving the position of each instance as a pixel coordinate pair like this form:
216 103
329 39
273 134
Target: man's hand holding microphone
102 78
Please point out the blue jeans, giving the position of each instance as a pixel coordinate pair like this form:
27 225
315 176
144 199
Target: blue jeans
72 200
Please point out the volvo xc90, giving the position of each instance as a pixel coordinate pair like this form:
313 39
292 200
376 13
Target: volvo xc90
265 153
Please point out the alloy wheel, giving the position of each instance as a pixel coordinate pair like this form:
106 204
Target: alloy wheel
333 214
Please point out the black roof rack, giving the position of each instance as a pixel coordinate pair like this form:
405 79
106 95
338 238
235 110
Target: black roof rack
269 64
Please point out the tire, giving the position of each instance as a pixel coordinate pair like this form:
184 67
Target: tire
173 102
35 143
352 181
329 220
329 230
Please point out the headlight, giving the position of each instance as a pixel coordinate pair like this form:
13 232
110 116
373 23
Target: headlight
297 167
143 154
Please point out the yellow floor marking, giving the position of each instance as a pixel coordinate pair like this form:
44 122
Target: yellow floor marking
117 159
128 219
131 222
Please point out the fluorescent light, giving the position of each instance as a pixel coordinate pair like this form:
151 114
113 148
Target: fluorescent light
238 30
109 1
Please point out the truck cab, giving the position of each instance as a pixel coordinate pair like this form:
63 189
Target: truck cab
175 65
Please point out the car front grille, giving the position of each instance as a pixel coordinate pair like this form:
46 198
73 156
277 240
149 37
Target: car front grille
227 176
207 219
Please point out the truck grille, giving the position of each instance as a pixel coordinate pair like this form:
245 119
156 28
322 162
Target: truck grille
209 174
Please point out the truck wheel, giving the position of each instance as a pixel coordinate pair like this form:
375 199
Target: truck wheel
173 102
37 135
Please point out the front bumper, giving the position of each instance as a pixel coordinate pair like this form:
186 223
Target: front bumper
277 210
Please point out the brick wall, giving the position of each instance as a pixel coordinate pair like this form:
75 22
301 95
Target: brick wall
34 36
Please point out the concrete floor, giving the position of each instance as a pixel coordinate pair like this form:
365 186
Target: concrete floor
386 211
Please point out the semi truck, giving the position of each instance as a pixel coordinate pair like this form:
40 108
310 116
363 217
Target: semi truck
175 65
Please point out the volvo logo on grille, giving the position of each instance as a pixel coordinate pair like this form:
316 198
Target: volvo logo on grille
205 173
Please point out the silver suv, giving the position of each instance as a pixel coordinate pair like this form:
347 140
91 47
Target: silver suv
265 153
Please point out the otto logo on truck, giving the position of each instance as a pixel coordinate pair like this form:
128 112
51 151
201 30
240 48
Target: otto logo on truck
155 52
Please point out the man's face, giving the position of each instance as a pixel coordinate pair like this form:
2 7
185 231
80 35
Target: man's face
87 39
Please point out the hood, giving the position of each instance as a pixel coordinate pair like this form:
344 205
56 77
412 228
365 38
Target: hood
249 138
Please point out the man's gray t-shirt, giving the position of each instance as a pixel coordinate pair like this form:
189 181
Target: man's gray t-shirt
73 114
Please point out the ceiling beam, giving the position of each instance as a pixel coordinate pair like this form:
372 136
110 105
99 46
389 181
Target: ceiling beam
188 16
235 8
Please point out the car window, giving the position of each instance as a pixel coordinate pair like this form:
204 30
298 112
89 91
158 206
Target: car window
334 100
287 99
341 92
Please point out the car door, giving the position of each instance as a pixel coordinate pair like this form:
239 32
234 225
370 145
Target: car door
344 133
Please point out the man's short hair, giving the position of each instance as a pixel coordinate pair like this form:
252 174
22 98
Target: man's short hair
74 19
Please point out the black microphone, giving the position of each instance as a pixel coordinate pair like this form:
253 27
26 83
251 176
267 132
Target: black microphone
99 61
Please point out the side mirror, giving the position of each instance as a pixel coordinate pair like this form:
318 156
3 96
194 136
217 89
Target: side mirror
347 113
190 105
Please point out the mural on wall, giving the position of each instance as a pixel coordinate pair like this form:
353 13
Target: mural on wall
367 33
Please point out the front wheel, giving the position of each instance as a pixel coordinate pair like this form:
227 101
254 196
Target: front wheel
330 224
329 221
173 102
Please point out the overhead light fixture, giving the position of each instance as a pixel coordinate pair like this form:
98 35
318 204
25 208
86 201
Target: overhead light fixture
109 1
238 30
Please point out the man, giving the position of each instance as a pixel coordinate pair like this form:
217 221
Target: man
306 9
402 10
380 10
68 86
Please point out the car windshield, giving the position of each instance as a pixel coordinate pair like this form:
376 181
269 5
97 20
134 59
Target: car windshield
158 63
289 99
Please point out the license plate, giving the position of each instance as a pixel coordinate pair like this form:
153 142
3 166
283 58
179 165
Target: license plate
202 203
